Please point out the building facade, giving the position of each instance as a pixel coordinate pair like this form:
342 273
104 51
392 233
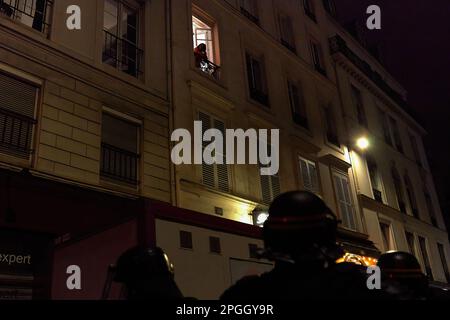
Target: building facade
86 117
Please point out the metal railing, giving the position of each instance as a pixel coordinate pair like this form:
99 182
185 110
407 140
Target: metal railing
16 133
122 54
34 13
119 165
210 68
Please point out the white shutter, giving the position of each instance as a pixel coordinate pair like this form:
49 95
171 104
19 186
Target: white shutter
345 202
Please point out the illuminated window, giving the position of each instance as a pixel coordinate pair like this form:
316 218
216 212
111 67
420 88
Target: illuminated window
205 53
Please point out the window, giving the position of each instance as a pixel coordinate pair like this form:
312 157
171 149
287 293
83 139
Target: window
358 103
33 13
317 57
253 251
411 196
345 203
425 258
121 38
205 47
444 261
17 116
297 105
385 126
309 9
375 179
214 245
214 175
330 7
415 149
249 9
410 239
287 33
386 236
396 134
120 149
270 187
430 207
257 80
398 189
330 125
186 240
308 173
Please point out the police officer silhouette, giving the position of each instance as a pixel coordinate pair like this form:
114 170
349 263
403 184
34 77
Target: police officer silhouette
300 237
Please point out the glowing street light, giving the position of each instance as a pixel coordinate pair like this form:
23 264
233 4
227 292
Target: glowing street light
363 143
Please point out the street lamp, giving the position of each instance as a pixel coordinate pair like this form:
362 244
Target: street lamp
363 143
259 217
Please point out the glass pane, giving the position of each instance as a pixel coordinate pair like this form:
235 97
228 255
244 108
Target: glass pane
120 133
110 16
129 24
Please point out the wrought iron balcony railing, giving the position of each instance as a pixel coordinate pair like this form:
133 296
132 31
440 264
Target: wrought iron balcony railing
119 165
16 132
122 54
34 13
210 68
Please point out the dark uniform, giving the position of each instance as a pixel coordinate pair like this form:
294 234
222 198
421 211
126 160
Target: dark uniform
300 237
146 274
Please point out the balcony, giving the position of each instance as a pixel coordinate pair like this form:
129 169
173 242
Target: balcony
338 45
250 16
119 165
33 13
378 196
209 68
122 54
16 133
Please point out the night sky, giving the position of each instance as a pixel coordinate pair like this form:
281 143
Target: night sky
414 44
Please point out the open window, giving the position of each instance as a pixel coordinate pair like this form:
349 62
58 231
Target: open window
375 179
317 57
205 43
257 82
398 187
297 103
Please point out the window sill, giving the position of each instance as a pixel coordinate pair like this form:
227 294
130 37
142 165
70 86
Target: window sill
205 75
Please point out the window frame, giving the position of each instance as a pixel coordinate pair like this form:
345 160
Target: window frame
300 118
317 56
258 95
309 162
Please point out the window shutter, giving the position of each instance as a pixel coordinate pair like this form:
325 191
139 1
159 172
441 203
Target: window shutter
222 169
208 176
309 177
17 96
345 203
265 189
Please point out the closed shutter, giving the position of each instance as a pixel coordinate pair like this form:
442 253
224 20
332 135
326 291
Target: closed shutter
265 189
344 200
270 185
17 108
309 177
215 175
208 176
222 169
17 96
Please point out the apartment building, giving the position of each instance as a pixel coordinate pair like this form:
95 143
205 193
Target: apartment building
83 137
86 116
